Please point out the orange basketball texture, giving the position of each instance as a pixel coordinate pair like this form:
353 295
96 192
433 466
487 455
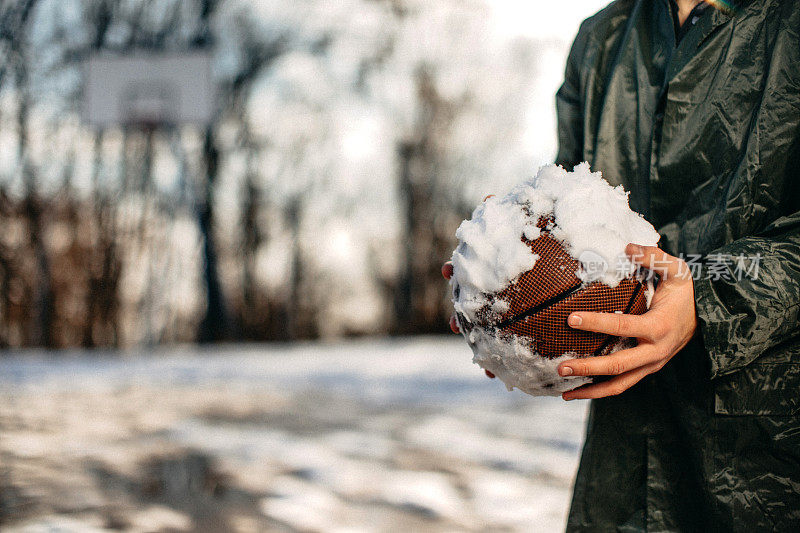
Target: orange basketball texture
540 300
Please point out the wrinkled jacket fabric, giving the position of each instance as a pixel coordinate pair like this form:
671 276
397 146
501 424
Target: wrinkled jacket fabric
706 136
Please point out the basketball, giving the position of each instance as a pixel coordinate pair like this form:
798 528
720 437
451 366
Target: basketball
524 262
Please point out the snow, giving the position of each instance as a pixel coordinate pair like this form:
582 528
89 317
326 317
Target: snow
513 360
594 223
432 492
305 506
57 524
490 252
591 216
158 517
376 434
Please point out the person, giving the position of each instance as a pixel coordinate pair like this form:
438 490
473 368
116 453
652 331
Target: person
694 107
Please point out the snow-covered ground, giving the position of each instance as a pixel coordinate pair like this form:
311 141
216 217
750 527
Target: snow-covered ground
367 435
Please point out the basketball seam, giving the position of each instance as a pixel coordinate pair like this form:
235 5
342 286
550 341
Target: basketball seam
572 291
610 338
531 311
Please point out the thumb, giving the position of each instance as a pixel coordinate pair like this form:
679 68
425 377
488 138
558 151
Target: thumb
657 260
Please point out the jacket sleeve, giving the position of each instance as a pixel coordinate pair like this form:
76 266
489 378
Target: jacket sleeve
748 296
569 108
743 316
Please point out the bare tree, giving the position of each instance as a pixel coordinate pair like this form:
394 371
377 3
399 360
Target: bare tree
42 308
428 211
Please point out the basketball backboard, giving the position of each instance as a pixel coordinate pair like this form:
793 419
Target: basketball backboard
148 90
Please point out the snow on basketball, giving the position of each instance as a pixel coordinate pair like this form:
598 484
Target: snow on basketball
524 262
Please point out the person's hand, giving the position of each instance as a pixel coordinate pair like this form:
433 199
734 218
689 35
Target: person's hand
447 272
662 331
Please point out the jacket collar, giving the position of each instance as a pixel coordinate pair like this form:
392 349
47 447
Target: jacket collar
723 12
727 7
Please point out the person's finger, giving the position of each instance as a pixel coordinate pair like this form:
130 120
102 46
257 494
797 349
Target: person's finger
454 324
447 270
617 324
611 365
488 373
657 260
612 387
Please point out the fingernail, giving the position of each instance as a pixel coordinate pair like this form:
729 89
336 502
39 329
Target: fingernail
454 325
565 371
566 398
574 320
447 270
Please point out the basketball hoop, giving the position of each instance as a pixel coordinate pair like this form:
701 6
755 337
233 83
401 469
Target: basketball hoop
148 104
148 91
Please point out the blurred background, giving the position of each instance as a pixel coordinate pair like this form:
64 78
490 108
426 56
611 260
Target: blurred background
223 223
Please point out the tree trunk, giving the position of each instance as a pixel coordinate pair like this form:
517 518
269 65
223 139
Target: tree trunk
216 324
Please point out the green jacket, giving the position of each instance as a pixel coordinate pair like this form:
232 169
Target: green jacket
706 136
